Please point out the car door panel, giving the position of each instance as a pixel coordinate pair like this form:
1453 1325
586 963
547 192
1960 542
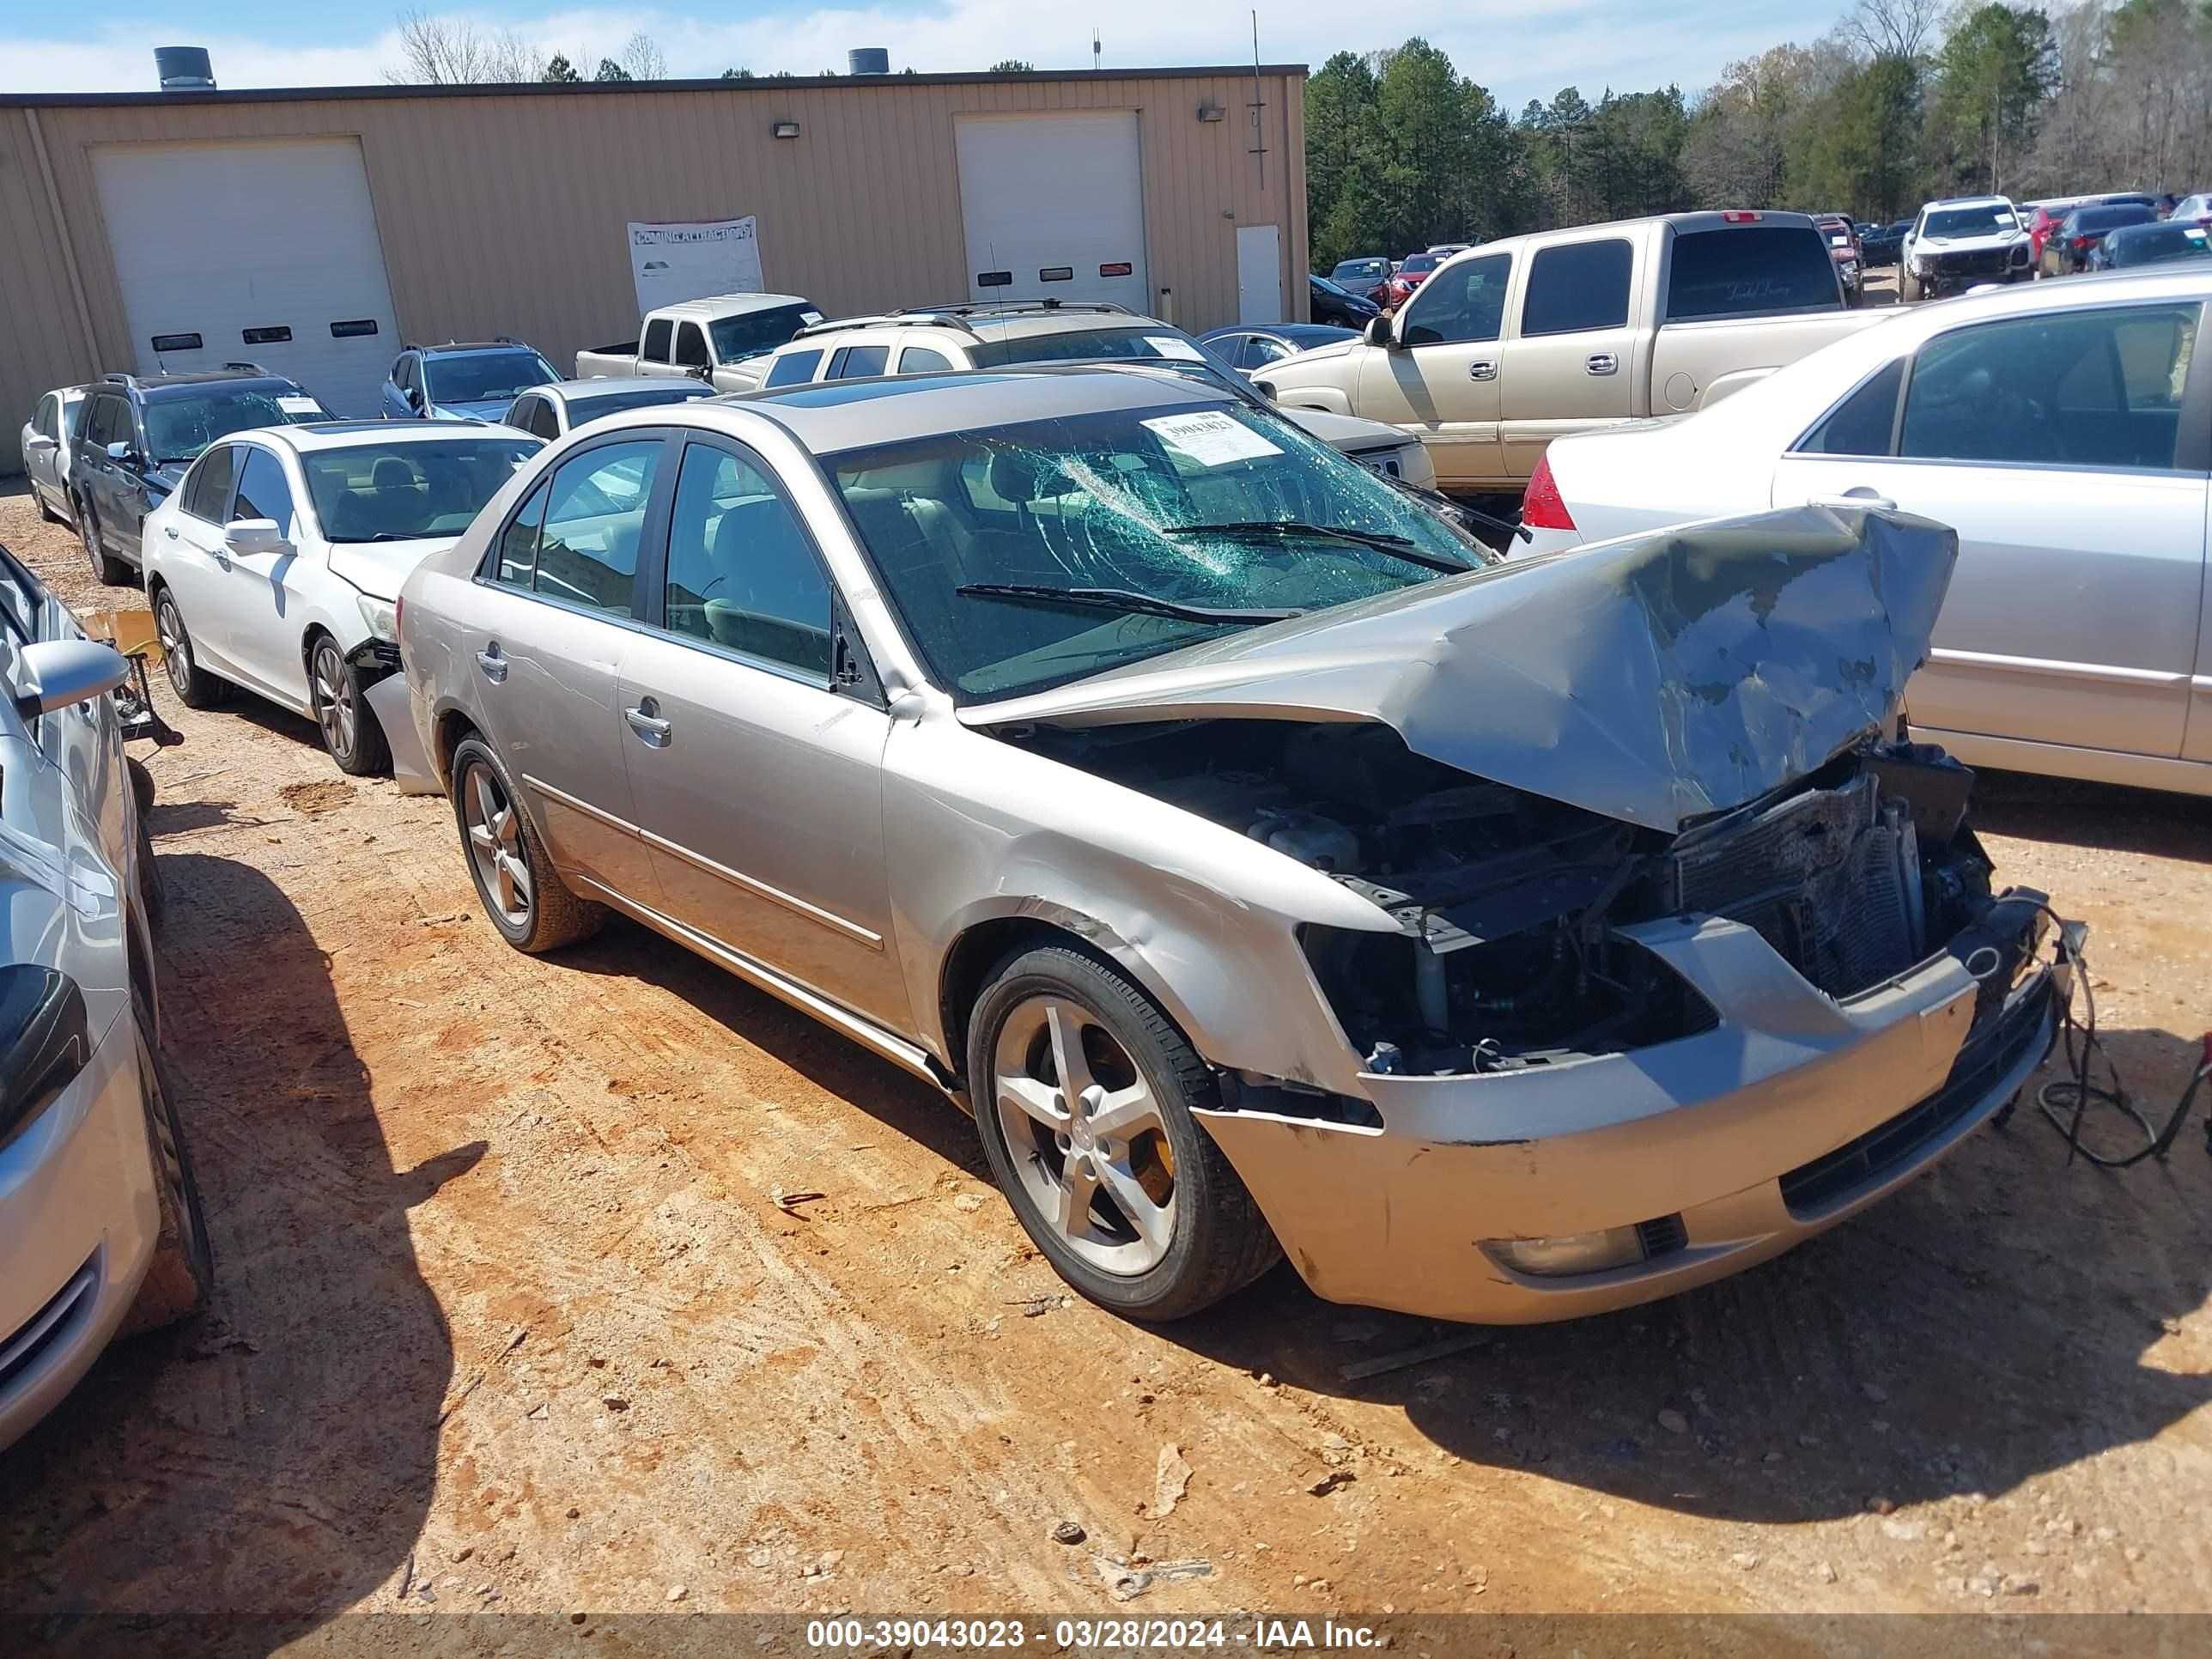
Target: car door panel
195 564
264 595
2196 737
1571 364
1442 383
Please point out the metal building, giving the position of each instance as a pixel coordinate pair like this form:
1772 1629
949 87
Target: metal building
313 230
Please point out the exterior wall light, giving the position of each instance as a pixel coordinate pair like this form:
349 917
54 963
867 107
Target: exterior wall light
784 130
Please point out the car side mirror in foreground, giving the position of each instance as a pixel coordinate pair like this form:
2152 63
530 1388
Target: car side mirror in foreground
253 535
46 1040
1377 332
62 673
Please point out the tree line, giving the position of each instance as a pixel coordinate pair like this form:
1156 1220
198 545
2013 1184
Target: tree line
1902 102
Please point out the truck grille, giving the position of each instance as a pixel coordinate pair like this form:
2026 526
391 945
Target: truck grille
1818 876
1980 262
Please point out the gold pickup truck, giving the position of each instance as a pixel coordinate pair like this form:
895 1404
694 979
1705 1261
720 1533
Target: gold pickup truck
1512 344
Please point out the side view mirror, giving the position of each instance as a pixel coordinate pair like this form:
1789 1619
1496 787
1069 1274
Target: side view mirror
39 444
414 396
253 535
701 372
46 1040
62 673
121 451
1378 332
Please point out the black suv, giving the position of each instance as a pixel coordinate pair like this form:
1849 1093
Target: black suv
135 435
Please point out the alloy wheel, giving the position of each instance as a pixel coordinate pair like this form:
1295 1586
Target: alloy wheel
1089 1144
495 829
176 645
336 710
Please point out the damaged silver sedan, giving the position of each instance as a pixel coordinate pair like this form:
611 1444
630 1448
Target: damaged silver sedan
1267 868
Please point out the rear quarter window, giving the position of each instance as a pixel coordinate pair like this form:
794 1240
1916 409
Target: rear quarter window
1748 271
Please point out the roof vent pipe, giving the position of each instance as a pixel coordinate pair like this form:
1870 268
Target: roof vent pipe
184 68
868 60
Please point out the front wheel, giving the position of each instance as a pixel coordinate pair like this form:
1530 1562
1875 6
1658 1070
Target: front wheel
350 731
1083 1092
525 898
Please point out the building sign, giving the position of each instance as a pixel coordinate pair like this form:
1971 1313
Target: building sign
689 262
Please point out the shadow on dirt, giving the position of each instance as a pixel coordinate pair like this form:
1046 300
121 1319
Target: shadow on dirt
1988 1323
272 1460
2094 815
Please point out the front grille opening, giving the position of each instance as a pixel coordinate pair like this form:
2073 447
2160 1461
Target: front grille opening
53 1324
1663 1237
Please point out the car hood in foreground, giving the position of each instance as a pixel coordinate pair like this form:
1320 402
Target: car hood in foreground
379 567
1654 680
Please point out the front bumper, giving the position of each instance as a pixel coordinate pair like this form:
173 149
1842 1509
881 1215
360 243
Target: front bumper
1796 1111
78 1222
1940 280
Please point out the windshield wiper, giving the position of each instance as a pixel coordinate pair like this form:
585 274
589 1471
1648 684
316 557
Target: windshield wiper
1412 552
1124 600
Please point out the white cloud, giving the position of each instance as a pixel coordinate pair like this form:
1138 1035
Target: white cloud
1518 48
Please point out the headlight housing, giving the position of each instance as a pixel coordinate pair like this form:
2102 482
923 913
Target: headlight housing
379 618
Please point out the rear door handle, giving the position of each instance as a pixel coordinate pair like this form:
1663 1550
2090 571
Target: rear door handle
493 665
645 719
1601 363
1482 370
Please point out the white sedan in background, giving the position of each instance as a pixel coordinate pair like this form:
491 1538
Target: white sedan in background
2064 431
275 565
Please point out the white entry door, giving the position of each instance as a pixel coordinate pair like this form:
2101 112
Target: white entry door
1260 275
1053 207
260 252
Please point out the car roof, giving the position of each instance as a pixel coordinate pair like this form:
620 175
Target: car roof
311 436
1323 332
1967 202
614 384
716 305
160 387
832 415
462 348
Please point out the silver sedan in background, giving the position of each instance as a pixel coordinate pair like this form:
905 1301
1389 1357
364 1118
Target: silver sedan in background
1264 864
45 445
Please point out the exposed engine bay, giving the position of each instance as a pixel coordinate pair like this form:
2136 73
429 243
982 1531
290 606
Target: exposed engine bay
1507 902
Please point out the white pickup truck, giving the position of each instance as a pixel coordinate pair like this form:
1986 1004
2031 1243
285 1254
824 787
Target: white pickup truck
1517 342
723 340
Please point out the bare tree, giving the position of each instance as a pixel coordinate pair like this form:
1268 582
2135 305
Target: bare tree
509 56
449 52
1895 28
642 57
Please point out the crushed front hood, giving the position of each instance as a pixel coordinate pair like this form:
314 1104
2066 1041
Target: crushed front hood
378 568
1654 680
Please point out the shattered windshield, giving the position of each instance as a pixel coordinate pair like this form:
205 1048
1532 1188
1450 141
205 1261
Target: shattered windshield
1025 556
1955 223
180 425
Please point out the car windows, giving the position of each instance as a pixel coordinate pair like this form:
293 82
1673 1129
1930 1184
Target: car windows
516 564
1578 286
1747 269
1259 351
179 426
587 554
857 362
758 331
381 490
262 492
741 571
2091 388
42 423
657 333
691 347
107 421
541 420
794 368
1862 424
920 360
1461 304
207 492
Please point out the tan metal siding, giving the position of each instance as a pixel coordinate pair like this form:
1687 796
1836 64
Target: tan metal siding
505 214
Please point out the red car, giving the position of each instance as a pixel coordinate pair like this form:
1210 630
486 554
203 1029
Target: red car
1411 275
2047 215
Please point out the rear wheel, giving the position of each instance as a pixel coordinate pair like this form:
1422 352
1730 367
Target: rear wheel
111 572
525 898
182 1273
1083 1092
350 731
195 687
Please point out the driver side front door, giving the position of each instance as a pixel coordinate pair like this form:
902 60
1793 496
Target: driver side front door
1442 383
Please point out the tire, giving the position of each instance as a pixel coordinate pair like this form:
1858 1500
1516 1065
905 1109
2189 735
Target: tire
181 1276
195 687
1908 289
549 916
1201 1241
340 697
153 891
47 514
111 572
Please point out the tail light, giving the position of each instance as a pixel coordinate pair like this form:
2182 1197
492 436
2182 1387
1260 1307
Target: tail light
2082 243
1737 216
1541 508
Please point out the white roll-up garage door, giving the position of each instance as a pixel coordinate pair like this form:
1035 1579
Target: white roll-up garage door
262 253
1054 206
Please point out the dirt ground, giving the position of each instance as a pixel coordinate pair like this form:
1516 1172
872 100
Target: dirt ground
604 1283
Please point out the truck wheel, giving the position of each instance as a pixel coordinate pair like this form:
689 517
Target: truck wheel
182 1273
1084 1091
1908 289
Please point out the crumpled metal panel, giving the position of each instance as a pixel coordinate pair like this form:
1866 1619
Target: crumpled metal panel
1655 679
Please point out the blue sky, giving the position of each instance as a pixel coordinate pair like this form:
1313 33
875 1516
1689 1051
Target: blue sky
1518 48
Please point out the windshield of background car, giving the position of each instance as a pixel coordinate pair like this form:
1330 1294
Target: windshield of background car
398 491
1741 270
2093 221
739 337
1952 223
2137 245
1418 263
581 410
1089 345
1361 270
178 425
485 377
1098 501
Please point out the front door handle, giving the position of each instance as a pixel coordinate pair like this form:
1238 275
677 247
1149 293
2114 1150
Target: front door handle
170 531
645 719
1482 370
1601 363
493 665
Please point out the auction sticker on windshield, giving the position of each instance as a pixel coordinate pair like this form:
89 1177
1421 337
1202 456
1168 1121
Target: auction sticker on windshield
295 406
1210 439
1167 346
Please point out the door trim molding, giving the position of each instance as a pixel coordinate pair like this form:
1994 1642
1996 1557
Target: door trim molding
799 906
2111 673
